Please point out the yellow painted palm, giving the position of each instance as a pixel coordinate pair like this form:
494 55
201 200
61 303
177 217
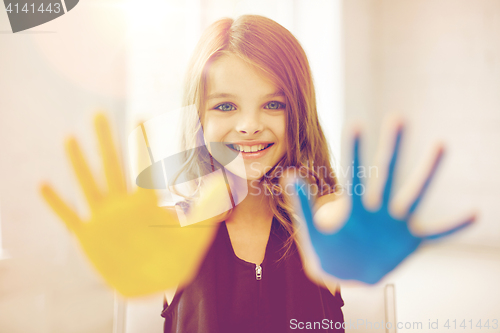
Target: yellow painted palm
137 247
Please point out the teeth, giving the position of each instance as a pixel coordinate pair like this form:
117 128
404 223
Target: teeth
249 149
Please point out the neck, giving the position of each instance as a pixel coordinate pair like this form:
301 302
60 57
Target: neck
254 209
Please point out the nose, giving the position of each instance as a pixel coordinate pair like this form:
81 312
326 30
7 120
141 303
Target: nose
249 123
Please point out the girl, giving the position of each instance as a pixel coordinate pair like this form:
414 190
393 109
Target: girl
252 87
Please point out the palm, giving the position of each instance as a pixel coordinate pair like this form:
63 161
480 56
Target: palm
137 247
370 244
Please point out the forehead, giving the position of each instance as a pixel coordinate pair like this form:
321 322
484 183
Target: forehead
229 74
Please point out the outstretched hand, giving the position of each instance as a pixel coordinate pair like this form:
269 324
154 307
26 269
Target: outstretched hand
370 243
137 247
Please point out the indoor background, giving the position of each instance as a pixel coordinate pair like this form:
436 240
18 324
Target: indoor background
436 62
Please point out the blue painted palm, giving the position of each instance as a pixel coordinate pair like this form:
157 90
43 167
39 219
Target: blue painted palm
370 244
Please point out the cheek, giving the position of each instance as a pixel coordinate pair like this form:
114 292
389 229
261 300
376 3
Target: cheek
209 129
215 129
281 135
280 129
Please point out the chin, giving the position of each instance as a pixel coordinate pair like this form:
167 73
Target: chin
249 177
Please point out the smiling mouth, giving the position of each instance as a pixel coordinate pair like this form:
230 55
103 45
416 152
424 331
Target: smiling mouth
253 149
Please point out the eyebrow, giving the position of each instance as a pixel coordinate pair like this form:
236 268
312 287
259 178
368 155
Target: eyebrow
225 95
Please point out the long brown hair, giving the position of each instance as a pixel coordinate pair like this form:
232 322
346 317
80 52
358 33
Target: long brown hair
272 49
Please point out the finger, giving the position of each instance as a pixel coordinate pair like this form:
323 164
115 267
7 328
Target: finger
65 213
140 159
357 186
392 166
112 167
83 174
452 230
143 160
306 210
437 159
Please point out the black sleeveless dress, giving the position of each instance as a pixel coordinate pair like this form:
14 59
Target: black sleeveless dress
230 295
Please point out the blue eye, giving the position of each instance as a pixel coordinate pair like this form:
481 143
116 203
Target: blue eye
225 107
275 105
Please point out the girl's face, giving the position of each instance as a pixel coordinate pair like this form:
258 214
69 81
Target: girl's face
246 111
